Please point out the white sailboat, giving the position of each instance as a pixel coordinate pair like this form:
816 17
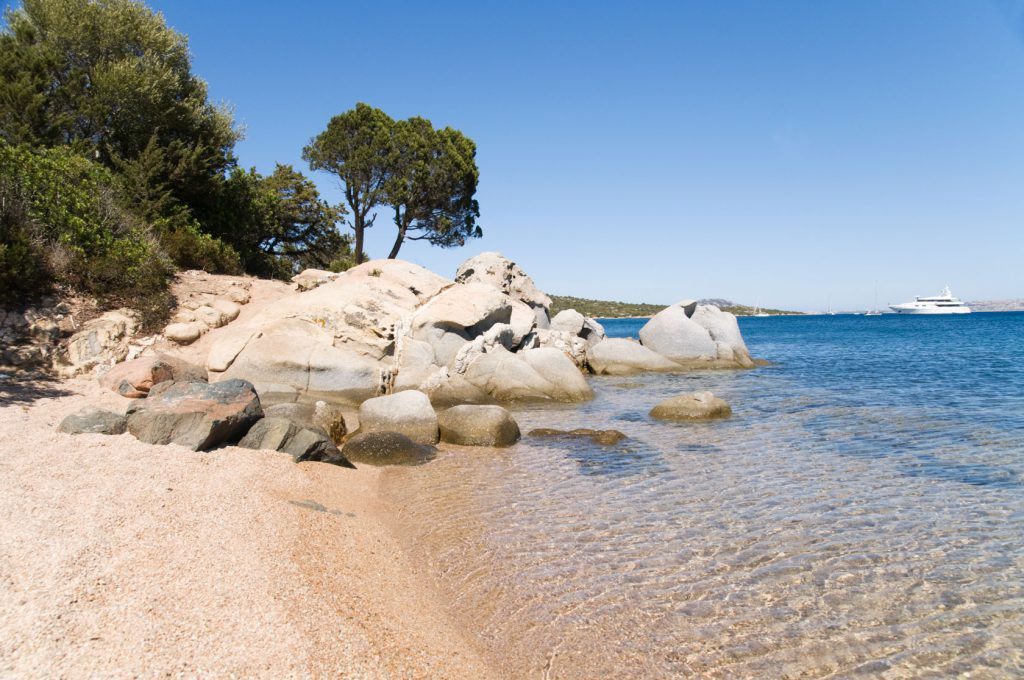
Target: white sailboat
874 310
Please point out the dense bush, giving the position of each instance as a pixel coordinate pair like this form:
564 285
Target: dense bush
61 224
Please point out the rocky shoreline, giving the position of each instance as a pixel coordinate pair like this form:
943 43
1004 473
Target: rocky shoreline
382 365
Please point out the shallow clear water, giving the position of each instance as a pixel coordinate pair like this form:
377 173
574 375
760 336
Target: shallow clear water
862 513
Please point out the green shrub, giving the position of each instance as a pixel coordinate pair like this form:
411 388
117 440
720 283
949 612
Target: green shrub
189 248
62 225
21 257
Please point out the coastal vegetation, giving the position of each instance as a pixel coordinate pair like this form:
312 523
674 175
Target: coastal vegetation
117 168
428 177
607 309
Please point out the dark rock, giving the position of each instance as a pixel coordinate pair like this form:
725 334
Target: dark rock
603 437
302 443
93 420
478 426
327 417
198 415
387 448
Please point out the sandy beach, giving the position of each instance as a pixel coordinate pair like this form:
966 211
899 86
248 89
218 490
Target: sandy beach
122 559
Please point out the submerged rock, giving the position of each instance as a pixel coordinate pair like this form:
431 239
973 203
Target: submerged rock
196 415
95 421
387 448
603 437
696 406
478 426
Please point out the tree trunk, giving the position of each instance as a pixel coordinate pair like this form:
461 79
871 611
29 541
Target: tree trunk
402 228
358 228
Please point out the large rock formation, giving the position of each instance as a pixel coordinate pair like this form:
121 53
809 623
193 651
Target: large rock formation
389 326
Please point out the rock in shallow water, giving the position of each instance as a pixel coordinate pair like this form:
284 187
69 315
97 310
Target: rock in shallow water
92 420
197 415
478 426
622 356
387 448
696 406
409 413
603 437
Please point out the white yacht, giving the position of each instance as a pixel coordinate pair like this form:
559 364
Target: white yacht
944 303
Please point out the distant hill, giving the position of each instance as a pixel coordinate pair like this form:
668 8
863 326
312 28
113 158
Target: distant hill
607 309
997 305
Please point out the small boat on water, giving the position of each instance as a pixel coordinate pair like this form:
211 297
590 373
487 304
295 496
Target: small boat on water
874 310
943 303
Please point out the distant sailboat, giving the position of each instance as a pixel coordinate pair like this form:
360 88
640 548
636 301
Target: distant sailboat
874 310
758 312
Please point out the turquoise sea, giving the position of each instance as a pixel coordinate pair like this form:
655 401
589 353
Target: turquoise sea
861 514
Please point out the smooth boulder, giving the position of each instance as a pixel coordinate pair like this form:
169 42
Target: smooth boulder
468 425
92 420
568 320
196 415
673 335
725 331
301 443
134 379
408 413
387 448
622 356
696 406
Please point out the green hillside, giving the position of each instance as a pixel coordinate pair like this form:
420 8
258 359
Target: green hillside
607 309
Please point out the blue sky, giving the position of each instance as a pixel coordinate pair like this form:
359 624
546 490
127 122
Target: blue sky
781 153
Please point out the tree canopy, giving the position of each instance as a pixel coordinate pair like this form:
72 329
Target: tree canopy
356 146
111 80
428 177
431 185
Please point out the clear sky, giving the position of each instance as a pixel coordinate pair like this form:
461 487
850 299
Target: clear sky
787 154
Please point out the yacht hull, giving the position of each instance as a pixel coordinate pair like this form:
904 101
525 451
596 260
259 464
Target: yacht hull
899 309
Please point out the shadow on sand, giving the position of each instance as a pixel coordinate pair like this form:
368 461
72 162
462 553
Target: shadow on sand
28 388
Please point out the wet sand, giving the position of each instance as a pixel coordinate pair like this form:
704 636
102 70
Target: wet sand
119 558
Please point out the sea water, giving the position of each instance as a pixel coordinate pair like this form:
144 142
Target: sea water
861 514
